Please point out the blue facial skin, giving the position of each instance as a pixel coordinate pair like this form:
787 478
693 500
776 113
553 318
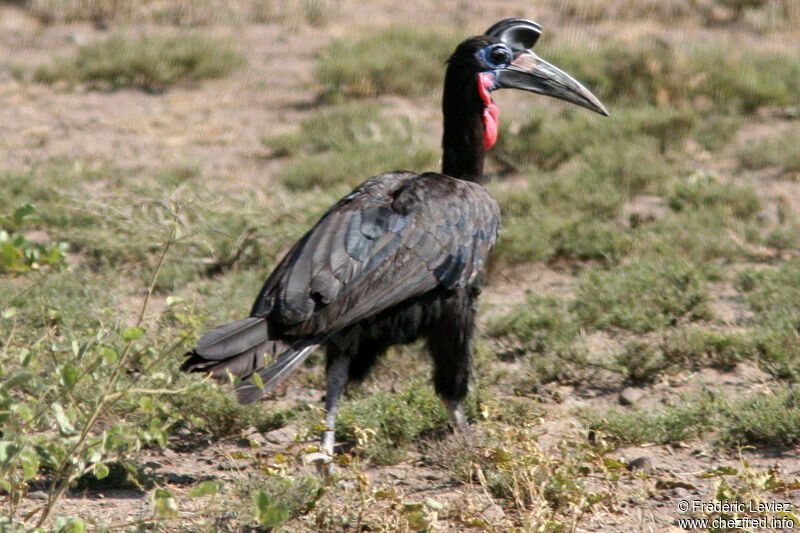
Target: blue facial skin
495 56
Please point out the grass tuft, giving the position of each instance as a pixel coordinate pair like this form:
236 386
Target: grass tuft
702 192
541 325
346 144
687 419
642 296
398 418
769 417
658 72
152 63
403 60
774 299
778 149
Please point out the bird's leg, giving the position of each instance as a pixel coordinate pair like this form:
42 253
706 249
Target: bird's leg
457 417
449 344
336 378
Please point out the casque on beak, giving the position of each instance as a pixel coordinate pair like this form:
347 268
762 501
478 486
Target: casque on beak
529 72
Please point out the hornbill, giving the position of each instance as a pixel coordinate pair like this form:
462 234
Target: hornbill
400 257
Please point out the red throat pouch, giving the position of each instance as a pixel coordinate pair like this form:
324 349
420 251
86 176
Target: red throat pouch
490 111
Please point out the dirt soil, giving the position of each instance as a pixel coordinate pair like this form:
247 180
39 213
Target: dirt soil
218 126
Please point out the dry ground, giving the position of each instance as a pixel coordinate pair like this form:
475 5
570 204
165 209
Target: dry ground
217 126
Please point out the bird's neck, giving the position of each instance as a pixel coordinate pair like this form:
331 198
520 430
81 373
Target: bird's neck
463 139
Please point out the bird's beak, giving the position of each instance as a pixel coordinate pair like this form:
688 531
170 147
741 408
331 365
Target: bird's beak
531 73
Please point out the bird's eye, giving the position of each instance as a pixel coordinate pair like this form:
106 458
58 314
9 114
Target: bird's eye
499 56
494 56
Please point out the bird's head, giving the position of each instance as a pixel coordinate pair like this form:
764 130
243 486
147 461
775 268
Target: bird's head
502 59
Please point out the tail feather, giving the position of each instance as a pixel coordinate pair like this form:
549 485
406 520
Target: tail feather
274 375
240 365
238 349
236 337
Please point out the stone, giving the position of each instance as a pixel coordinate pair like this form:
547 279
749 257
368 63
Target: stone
643 464
630 396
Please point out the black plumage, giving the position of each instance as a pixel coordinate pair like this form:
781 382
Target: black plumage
397 259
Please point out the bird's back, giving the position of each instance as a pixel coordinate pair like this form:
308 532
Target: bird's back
396 236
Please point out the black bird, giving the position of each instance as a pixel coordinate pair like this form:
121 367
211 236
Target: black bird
399 258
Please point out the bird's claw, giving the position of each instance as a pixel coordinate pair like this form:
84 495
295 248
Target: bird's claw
322 461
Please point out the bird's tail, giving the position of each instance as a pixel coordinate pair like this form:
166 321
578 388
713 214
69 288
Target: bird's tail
239 348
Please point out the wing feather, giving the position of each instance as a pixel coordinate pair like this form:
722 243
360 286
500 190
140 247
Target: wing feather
397 236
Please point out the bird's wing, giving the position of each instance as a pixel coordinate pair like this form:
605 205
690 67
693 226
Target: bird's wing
396 236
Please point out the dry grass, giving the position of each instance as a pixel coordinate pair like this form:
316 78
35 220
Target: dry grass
663 263
188 13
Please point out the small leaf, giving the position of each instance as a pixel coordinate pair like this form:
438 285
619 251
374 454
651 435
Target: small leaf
101 471
146 404
55 453
413 506
204 488
719 471
178 231
257 381
16 381
166 505
30 463
268 514
93 455
64 423
25 357
10 312
8 450
613 463
110 355
24 411
500 456
69 374
69 524
131 334
172 300
433 504
419 520
21 212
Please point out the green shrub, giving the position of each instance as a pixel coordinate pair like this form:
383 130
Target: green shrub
18 254
349 143
777 149
150 62
689 418
703 192
53 394
398 418
658 72
543 324
770 417
773 295
402 60
642 296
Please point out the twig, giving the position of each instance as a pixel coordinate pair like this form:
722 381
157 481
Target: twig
64 471
29 288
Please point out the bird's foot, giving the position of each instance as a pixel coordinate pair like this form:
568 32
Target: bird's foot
322 461
458 419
